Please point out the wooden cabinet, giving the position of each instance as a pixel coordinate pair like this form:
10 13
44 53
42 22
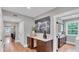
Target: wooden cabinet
61 41
41 46
30 42
45 46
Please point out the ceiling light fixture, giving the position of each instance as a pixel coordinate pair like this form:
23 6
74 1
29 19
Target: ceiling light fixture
28 7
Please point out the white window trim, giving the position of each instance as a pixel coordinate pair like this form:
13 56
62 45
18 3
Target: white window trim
67 27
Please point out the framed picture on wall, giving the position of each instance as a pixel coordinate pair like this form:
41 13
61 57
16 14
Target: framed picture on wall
42 25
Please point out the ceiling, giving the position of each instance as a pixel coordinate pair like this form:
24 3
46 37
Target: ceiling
31 12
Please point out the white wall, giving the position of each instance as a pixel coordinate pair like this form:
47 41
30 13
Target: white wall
28 23
1 25
1 30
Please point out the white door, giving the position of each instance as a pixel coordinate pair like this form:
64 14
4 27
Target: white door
21 32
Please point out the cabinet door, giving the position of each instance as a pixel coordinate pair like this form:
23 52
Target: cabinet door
30 42
44 46
61 41
40 46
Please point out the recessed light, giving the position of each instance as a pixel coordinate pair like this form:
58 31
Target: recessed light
28 7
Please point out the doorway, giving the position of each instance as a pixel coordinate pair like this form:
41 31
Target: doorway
10 32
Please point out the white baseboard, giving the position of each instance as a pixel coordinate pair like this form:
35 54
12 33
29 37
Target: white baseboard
70 42
21 43
24 45
17 41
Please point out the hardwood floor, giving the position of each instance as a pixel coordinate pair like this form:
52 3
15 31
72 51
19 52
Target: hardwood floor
67 48
11 46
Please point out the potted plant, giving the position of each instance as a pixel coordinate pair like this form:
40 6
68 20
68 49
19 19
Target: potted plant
33 31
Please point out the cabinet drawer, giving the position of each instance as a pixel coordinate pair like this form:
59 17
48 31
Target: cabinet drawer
45 46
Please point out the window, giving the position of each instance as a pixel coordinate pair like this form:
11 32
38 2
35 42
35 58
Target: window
72 28
7 29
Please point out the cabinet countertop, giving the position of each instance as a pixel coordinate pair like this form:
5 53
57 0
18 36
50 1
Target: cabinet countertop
41 38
